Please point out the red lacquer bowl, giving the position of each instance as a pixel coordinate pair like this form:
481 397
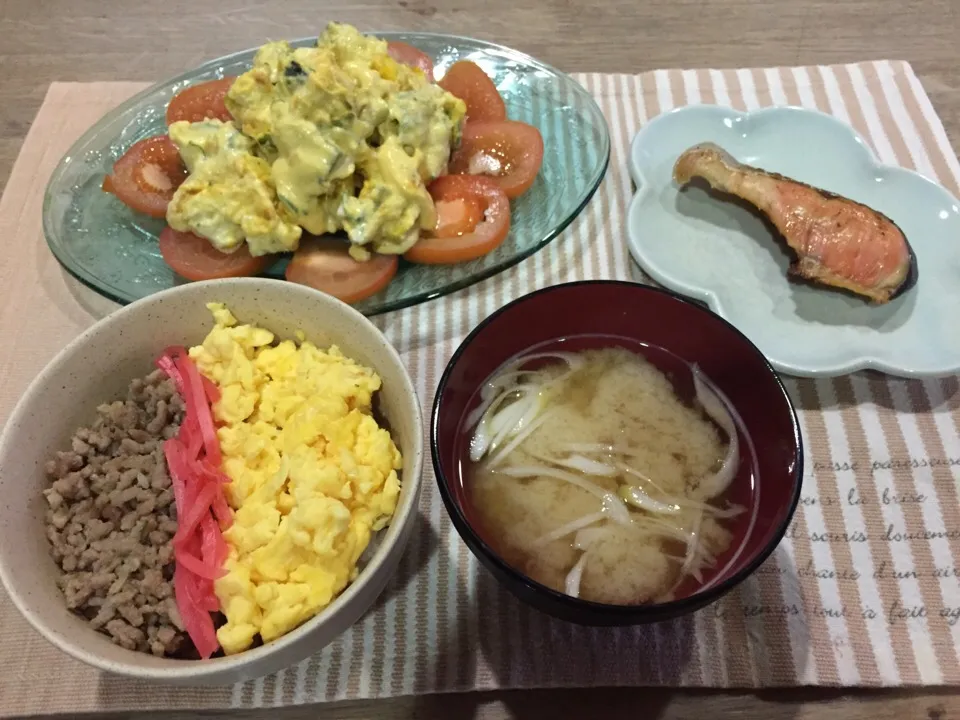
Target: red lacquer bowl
673 334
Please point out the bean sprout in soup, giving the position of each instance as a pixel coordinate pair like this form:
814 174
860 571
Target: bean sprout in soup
590 475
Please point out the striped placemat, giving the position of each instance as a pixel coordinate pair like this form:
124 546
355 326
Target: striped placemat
865 589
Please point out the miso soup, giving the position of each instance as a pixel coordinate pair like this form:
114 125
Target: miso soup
589 474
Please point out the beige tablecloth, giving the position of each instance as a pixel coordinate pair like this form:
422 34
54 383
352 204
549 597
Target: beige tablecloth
841 602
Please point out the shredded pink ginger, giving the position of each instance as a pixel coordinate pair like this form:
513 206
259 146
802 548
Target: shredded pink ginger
193 459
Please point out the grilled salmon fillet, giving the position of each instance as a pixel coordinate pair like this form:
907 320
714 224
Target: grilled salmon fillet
837 241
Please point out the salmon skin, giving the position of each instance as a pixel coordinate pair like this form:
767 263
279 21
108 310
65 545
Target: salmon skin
837 241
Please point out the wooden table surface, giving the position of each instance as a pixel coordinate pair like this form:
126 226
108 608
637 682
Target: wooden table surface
46 40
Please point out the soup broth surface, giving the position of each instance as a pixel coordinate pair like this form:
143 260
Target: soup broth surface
615 414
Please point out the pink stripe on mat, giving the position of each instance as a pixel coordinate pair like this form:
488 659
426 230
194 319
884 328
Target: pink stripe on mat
830 607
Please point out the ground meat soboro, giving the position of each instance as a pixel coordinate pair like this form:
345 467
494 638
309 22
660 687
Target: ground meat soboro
111 520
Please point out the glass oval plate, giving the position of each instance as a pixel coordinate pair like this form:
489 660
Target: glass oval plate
113 249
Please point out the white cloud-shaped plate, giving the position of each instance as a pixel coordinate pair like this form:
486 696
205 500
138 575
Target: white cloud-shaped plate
719 253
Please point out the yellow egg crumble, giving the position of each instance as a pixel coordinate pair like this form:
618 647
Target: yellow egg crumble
312 475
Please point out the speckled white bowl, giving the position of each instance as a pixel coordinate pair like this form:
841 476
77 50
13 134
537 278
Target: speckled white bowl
96 367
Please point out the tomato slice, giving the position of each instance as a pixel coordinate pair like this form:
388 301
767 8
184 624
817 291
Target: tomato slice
147 175
325 264
510 151
409 55
486 236
199 102
458 216
194 258
470 83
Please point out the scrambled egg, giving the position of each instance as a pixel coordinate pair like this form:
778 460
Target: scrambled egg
312 475
346 139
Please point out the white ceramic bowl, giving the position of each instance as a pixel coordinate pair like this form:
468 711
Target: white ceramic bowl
97 367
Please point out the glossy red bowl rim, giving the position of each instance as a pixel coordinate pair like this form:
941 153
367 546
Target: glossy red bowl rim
629 614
